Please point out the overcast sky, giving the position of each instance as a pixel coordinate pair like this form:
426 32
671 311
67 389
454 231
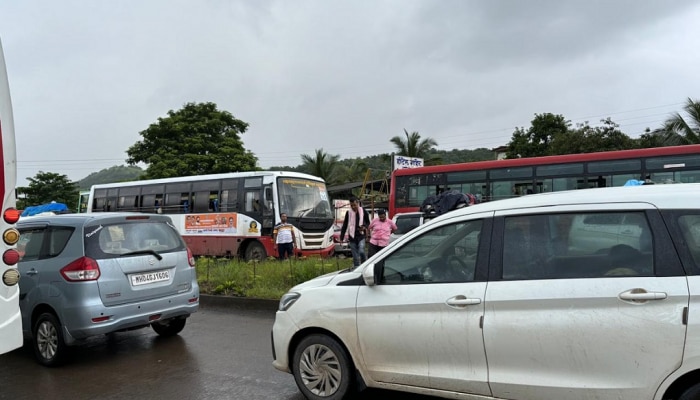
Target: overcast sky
87 76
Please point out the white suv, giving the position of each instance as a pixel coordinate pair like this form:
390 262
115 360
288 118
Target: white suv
589 294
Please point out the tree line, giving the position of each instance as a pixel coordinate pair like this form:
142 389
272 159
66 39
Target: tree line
201 139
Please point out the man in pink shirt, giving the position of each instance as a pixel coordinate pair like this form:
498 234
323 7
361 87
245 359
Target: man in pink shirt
380 230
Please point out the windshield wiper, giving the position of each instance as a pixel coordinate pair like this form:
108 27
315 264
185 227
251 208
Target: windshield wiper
304 210
149 251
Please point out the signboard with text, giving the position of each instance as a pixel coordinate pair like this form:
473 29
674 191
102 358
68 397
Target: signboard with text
402 162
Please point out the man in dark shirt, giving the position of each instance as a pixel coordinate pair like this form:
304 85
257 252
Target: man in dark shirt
355 224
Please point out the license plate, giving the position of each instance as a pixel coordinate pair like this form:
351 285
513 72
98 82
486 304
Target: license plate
151 277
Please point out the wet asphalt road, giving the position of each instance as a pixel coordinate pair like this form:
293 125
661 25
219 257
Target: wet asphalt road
223 353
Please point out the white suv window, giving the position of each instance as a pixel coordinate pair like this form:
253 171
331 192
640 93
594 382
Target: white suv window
444 254
690 228
577 245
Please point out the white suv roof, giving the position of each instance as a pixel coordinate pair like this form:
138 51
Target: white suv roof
657 195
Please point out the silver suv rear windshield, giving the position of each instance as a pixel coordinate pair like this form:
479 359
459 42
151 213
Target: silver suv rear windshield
132 237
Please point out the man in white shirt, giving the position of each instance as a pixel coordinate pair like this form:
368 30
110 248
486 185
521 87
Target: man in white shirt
284 238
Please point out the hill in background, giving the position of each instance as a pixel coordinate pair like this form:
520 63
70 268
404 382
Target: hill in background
377 163
117 173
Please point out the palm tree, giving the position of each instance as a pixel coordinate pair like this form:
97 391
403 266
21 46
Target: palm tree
684 131
322 165
356 171
413 146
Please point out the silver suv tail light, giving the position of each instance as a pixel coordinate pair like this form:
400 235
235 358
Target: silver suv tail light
82 269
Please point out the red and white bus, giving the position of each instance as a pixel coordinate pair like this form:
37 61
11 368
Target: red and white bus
499 179
10 320
232 214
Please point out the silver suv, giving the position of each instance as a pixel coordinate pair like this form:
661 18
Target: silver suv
91 274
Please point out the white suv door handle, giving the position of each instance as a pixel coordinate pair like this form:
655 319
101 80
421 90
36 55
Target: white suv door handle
462 301
642 295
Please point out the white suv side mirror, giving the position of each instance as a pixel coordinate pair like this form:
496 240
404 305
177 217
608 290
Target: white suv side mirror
368 275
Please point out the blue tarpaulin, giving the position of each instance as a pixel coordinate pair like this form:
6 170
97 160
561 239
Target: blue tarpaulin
634 182
55 208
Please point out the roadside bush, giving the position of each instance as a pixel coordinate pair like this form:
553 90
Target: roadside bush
268 279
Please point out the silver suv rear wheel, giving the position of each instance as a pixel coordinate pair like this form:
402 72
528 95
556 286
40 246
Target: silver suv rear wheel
49 347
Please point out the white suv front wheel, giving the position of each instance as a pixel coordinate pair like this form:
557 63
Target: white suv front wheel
322 368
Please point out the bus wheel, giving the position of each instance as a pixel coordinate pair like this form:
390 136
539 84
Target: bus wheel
255 251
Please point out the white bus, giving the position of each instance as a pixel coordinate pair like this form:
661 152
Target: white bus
232 214
10 320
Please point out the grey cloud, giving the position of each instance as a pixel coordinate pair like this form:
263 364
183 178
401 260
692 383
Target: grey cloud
491 34
340 75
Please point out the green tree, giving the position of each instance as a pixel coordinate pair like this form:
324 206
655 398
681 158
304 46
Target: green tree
414 146
195 140
321 164
46 187
587 139
535 141
464 155
655 138
680 130
355 171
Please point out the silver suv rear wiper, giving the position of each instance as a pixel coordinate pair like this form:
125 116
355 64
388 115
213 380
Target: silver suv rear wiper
148 251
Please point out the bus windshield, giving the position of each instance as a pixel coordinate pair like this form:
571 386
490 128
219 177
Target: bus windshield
300 197
83 201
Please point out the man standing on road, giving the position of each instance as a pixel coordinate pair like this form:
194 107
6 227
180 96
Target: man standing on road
355 224
284 238
380 229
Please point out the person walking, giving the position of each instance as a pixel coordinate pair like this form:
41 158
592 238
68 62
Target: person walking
380 230
284 238
355 224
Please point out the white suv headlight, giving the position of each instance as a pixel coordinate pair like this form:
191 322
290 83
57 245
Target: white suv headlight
287 300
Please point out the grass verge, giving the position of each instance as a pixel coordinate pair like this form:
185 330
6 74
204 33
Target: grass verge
269 279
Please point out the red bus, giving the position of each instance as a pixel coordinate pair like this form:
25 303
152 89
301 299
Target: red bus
500 179
10 319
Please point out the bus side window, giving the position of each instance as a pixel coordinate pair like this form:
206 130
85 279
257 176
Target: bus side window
201 202
229 200
252 201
